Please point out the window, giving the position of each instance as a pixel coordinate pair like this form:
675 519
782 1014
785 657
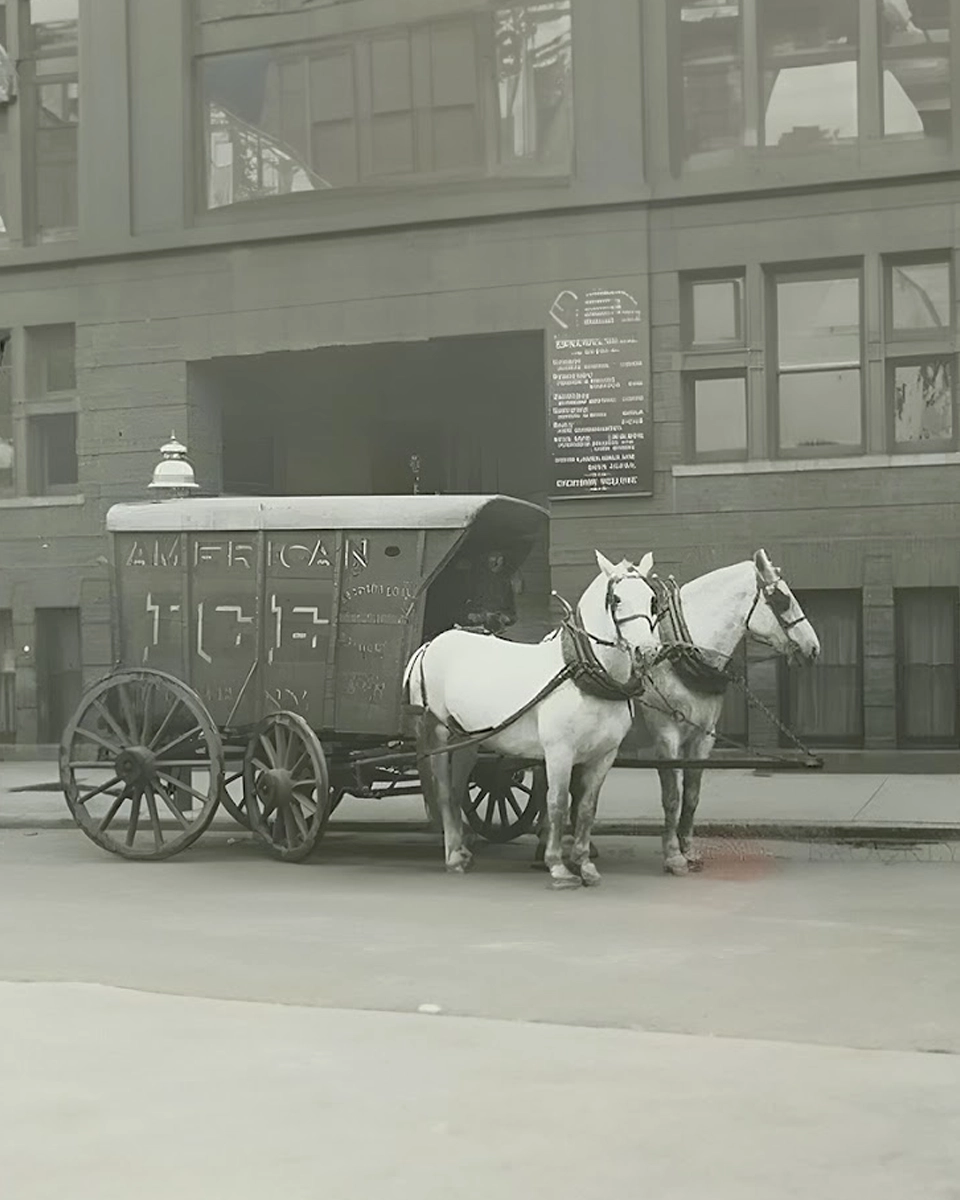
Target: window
718 419
51 410
51 113
8 90
6 415
716 312
915 42
8 679
405 103
809 71
818 356
789 74
53 453
712 69
921 364
823 704
926 624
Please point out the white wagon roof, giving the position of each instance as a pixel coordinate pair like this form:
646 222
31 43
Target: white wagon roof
236 513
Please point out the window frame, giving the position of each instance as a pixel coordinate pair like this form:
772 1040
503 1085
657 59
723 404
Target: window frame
689 281
208 45
827 741
798 272
934 742
690 380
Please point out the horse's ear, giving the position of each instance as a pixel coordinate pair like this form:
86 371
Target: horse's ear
764 567
605 565
646 563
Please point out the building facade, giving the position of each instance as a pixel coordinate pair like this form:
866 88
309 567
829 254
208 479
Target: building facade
318 242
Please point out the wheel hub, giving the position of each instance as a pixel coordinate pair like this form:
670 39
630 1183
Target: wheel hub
135 764
275 785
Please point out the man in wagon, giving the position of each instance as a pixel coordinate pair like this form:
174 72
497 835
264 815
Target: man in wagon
491 602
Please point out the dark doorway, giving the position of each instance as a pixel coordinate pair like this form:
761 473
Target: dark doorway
59 674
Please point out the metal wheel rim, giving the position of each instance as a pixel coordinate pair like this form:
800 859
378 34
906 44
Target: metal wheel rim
504 802
142 733
289 820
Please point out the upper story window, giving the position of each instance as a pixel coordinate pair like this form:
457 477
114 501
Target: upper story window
789 75
474 95
38 149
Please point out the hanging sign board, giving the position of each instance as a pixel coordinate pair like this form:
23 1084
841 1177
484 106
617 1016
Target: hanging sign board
599 419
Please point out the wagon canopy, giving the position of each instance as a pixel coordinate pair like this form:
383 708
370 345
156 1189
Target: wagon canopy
311 603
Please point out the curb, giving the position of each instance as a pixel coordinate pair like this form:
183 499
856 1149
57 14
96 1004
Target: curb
773 831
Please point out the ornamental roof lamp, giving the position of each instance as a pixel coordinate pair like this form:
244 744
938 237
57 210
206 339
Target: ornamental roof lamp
173 476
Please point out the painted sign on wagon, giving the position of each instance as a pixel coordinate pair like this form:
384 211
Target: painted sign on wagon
599 413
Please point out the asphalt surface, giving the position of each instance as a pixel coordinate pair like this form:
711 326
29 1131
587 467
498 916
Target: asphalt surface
784 1024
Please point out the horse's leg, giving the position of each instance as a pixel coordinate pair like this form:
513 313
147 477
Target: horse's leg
590 779
559 763
461 768
436 776
673 860
576 789
692 779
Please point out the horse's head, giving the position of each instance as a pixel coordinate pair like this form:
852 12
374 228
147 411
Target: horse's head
776 618
630 603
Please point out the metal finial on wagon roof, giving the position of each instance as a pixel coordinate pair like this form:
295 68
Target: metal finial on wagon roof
173 474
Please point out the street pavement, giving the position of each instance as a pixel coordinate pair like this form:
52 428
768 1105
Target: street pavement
224 1026
794 803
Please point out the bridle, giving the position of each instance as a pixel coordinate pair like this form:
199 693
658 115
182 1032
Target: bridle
612 603
779 604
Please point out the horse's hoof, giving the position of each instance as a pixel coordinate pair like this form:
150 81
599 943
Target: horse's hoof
589 875
563 883
694 861
676 866
459 864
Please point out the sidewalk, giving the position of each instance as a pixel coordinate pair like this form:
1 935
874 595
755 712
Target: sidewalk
796 805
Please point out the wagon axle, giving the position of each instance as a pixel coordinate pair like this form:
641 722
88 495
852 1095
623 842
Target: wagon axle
136 765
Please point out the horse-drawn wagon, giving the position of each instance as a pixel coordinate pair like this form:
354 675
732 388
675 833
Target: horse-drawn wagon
259 648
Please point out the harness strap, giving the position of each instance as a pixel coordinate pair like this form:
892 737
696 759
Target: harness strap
688 661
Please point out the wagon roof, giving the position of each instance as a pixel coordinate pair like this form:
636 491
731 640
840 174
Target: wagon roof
235 513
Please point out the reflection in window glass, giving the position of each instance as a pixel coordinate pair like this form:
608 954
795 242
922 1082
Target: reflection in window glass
810 71
920 296
53 24
407 102
717 311
535 83
6 413
712 67
720 416
923 402
818 321
820 408
915 38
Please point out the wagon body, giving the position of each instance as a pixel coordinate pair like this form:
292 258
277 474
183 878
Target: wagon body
308 604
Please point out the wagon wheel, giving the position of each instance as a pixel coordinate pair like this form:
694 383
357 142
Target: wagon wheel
286 786
235 802
504 801
127 763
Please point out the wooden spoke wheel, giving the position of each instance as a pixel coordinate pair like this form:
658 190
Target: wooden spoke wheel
504 801
232 798
141 765
286 786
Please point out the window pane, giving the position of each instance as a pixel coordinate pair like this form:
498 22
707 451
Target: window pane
818 321
392 141
6 413
810 71
53 446
927 666
920 296
915 36
390 74
825 703
53 24
923 401
712 66
456 139
52 359
717 312
820 408
535 84
720 416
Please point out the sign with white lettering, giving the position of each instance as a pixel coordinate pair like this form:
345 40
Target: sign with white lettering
600 423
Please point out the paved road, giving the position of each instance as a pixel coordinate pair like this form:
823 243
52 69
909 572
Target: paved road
765 1030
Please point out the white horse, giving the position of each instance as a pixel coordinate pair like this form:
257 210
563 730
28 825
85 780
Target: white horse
572 692
721 608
